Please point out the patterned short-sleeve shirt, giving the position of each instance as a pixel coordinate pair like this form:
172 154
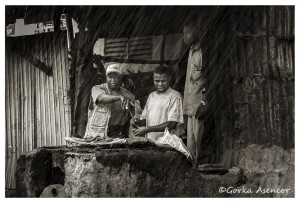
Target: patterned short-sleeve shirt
118 116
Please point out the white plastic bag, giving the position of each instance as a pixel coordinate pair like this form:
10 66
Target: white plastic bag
174 142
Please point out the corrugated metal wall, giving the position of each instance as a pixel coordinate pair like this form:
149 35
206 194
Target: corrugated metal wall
252 84
37 106
263 72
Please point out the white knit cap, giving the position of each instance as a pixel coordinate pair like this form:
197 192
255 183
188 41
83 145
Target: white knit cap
114 68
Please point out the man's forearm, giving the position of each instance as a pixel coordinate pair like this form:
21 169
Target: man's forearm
161 127
106 99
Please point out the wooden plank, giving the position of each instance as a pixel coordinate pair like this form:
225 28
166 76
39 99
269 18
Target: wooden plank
67 100
34 103
47 93
149 56
66 89
116 45
38 102
8 119
140 61
56 91
14 118
286 21
140 43
140 52
7 122
63 86
116 54
140 47
271 21
114 50
31 78
109 41
22 127
43 109
279 56
51 95
47 97
27 102
33 60
59 85
290 60
13 172
17 107
141 56
61 99
292 21
39 110
16 103
140 39
24 100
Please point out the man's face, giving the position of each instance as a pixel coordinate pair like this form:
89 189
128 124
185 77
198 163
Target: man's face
189 34
114 81
161 82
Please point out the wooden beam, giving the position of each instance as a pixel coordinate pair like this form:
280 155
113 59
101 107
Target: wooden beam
140 61
34 61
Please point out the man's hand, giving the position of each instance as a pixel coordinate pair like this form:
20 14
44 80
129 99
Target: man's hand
124 102
141 131
201 111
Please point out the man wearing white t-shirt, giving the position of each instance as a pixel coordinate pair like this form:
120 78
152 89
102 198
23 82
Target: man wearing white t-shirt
163 108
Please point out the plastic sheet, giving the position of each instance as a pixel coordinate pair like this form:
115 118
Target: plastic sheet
175 142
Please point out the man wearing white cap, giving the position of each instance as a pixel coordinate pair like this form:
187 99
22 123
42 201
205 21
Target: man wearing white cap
110 107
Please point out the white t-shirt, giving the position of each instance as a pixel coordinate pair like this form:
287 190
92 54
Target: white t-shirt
162 107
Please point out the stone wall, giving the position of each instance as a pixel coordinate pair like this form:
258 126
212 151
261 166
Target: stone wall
38 169
118 171
149 171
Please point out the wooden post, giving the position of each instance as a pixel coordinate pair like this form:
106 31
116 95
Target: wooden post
69 31
72 66
85 77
